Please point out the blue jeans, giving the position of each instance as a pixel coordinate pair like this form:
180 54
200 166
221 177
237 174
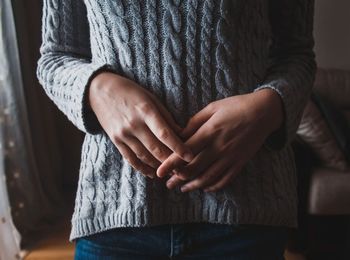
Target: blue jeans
184 241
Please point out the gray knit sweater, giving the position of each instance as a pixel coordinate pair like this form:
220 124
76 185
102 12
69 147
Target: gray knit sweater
188 53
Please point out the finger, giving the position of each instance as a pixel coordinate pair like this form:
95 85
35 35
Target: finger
215 171
197 121
152 144
201 162
227 178
140 151
169 164
168 117
173 182
136 163
165 134
197 142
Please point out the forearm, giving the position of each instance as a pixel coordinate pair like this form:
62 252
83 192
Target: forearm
292 65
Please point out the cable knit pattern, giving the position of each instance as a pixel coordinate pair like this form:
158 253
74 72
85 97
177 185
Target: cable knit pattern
188 53
224 53
153 45
172 55
139 41
191 28
205 50
116 21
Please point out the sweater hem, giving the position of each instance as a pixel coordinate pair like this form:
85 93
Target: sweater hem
139 218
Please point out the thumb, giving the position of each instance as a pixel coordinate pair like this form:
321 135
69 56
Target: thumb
196 121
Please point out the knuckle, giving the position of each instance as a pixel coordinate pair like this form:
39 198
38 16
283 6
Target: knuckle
146 159
211 106
115 135
165 154
131 123
163 133
115 138
215 127
146 108
131 160
155 149
160 153
153 164
141 156
121 132
134 162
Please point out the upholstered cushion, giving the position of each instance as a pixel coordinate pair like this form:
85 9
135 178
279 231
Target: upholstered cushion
329 192
322 133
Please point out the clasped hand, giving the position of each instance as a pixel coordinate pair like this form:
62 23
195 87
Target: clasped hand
223 136
208 153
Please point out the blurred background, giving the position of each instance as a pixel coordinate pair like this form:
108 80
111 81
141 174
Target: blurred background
332 34
40 149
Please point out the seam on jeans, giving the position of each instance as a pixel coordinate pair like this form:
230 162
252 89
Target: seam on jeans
171 241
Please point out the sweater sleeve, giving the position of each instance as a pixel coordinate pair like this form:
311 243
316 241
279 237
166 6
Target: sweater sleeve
292 64
64 68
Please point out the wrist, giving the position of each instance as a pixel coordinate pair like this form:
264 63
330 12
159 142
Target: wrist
100 81
269 105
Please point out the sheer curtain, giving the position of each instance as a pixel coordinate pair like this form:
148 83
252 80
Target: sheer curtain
39 151
9 235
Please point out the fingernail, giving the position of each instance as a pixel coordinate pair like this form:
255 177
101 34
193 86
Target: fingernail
188 156
159 175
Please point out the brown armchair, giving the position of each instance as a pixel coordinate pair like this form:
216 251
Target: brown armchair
322 158
329 187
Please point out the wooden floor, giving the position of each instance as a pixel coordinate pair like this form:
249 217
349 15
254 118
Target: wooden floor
57 247
54 247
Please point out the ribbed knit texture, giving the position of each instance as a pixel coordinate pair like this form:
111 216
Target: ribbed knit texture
188 53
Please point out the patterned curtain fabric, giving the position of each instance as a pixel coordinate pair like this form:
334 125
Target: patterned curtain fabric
31 168
9 235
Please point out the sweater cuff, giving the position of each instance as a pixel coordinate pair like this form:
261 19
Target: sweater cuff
88 119
278 139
